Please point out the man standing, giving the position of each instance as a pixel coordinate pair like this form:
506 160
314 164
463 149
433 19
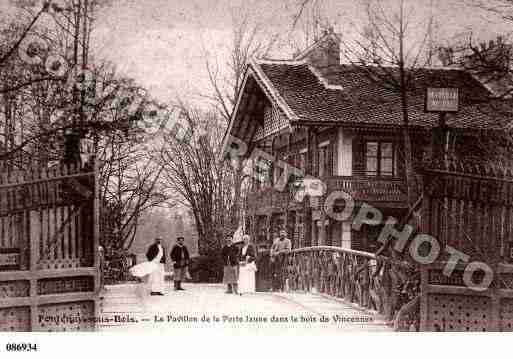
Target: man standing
157 254
279 249
230 255
180 258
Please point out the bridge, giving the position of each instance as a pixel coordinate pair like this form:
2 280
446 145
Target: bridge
128 307
329 289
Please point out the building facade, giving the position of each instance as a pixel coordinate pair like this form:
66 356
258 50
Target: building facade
342 125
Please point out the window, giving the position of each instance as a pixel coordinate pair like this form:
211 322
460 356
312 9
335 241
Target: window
302 160
262 169
324 164
379 158
278 171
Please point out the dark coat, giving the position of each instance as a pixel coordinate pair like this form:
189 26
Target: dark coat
180 256
152 252
230 255
249 252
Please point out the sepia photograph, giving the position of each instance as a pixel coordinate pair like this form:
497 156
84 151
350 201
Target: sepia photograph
308 167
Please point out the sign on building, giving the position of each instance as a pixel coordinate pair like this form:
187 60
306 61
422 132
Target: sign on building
442 99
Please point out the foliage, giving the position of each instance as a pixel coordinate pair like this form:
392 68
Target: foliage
206 269
202 183
44 104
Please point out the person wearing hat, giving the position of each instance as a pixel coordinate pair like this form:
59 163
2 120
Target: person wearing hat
230 257
180 257
157 255
280 247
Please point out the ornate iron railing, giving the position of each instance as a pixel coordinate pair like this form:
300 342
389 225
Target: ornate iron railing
358 277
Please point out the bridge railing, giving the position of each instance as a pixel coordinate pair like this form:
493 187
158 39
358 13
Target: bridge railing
358 277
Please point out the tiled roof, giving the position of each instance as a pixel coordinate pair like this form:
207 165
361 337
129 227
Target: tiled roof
348 94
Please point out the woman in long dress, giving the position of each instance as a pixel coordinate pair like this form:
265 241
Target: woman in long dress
247 267
150 268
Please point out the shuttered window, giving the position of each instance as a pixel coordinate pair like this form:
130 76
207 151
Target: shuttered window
380 159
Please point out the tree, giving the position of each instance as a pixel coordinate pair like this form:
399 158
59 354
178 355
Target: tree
490 62
130 186
129 175
42 69
52 88
192 173
249 40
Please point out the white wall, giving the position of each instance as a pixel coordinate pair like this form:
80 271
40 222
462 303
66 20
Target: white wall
345 153
346 235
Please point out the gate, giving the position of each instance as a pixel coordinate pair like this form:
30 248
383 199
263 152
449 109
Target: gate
49 278
468 207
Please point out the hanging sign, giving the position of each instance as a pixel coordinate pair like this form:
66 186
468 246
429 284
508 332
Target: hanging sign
442 99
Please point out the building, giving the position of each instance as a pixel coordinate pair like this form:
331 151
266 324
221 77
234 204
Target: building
339 123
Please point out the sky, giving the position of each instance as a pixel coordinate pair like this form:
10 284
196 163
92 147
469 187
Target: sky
164 44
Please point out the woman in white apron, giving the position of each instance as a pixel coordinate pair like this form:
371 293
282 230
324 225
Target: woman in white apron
247 267
154 269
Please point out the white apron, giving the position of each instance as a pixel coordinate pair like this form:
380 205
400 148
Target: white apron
154 269
246 283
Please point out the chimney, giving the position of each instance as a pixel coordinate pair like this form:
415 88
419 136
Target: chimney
324 53
446 56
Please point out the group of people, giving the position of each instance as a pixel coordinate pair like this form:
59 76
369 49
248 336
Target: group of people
155 266
239 266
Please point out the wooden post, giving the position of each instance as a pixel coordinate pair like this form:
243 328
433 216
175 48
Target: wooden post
306 204
34 236
334 143
308 167
269 233
494 323
424 277
323 235
287 188
96 240
315 154
273 153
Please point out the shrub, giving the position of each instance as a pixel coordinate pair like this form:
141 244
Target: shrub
206 269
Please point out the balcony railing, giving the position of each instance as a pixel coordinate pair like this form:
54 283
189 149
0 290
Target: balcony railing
268 198
368 188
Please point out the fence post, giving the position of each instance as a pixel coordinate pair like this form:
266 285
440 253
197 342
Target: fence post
96 240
